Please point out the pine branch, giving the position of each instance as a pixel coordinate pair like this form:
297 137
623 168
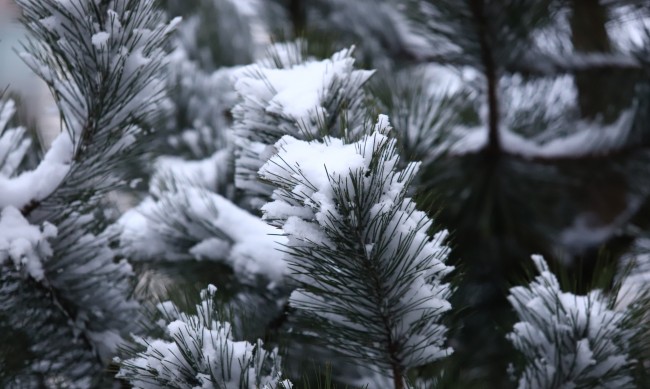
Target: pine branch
369 277
119 48
184 220
305 99
570 340
102 61
425 119
201 352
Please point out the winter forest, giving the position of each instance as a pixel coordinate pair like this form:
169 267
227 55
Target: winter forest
276 194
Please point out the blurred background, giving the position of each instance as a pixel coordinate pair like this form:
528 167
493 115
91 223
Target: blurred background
36 106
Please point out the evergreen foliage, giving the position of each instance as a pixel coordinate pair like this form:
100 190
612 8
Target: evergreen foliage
65 299
248 146
202 353
367 273
303 98
570 340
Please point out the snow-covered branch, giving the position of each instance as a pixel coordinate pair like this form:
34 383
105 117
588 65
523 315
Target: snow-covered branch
369 275
305 99
118 44
201 352
68 296
568 340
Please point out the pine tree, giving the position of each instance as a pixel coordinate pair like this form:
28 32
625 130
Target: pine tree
251 149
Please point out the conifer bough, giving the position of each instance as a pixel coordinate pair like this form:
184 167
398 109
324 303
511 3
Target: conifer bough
369 276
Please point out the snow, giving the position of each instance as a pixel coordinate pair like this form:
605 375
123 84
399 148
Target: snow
298 93
588 230
568 340
173 25
24 244
204 173
303 100
232 235
210 248
588 138
100 39
37 184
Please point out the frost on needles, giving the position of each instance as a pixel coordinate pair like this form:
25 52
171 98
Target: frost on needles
568 340
201 353
370 278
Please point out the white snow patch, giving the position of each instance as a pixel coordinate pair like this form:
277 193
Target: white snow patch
245 242
37 184
24 244
100 39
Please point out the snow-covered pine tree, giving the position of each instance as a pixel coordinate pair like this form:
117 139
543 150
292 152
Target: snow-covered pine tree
551 92
510 105
193 207
66 303
447 119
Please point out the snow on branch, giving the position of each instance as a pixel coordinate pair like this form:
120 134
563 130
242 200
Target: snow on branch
308 100
187 221
568 340
184 218
369 275
24 244
102 61
18 189
542 123
201 352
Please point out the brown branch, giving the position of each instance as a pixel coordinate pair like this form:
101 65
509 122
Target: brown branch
28 208
489 67
398 380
